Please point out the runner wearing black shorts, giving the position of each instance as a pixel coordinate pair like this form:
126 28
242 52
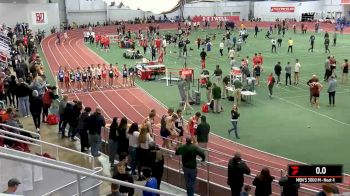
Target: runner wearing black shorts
110 75
89 79
84 77
179 123
132 76
125 75
72 79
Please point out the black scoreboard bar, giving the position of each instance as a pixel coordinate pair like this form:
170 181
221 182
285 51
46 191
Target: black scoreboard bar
316 173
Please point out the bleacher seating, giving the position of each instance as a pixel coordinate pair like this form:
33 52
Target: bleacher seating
5 47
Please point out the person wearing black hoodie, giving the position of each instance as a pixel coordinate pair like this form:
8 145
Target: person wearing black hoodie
82 129
235 176
290 186
278 70
36 107
73 122
113 141
263 182
12 91
68 111
157 162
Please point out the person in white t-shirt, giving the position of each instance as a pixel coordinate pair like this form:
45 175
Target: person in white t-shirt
98 75
65 37
164 44
133 136
297 67
94 78
86 36
222 45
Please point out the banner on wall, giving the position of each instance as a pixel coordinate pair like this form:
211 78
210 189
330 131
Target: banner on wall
345 2
39 17
215 18
283 9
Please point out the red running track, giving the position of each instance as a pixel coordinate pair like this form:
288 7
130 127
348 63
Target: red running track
134 103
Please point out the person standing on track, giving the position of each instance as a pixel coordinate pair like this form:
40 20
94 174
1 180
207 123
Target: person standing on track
98 75
270 83
327 69
326 45
84 77
312 43
316 88
58 38
66 79
310 84
273 45
164 45
288 70
90 79
125 75
256 29
65 37
235 174
203 55
221 46
332 86
345 67
78 78
179 125
290 45
72 80
110 75
132 76
189 153
164 131
192 126
278 70
93 77
297 67
60 78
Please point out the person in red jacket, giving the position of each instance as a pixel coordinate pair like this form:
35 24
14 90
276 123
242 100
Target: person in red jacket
270 83
97 39
256 60
158 44
106 44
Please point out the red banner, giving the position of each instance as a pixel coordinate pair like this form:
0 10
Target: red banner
282 9
345 2
215 18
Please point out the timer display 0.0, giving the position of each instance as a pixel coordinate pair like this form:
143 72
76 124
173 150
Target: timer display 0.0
316 173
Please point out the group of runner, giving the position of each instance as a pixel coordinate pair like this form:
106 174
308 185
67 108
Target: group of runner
93 77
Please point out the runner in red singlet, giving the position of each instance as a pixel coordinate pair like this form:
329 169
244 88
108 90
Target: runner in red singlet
192 126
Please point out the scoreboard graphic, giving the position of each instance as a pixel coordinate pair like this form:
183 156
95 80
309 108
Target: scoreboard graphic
316 173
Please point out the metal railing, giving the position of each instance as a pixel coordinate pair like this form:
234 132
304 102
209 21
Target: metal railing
214 152
210 166
81 174
97 170
37 135
32 141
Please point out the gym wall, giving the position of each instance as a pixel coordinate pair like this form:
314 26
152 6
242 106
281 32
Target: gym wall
321 8
11 13
83 12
